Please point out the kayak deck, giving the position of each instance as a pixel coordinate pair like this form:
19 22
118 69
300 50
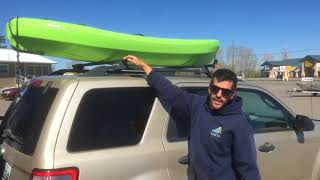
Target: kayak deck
83 43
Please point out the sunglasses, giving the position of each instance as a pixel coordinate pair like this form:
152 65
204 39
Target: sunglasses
225 92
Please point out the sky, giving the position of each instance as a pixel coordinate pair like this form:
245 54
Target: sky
265 26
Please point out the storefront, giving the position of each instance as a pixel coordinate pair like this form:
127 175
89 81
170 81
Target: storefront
276 69
310 66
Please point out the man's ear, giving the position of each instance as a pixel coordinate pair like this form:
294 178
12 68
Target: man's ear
209 90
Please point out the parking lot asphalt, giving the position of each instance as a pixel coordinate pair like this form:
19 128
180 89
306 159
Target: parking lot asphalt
4 104
304 104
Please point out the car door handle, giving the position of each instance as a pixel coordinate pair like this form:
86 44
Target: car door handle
267 147
184 159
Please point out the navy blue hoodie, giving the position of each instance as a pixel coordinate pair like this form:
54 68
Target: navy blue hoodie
221 145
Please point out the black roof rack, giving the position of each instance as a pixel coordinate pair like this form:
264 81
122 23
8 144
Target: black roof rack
117 64
121 66
64 71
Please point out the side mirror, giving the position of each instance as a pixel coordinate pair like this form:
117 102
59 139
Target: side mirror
303 123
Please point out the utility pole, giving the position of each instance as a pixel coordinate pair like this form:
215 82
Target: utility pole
284 53
2 41
233 56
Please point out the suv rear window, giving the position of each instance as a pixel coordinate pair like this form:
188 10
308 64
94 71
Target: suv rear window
112 117
26 119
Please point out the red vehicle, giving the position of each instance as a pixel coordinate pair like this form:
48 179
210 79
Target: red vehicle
9 93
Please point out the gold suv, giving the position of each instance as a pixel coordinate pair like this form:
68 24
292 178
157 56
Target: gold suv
114 127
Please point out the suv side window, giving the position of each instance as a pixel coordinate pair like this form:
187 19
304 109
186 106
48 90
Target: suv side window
27 116
111 117
264 114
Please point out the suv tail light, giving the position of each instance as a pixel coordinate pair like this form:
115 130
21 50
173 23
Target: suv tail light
55 174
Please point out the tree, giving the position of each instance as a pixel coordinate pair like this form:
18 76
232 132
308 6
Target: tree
3 41
243 61
248 62
222 64
250 73
231 55
220 55
284 54
267 57
220 58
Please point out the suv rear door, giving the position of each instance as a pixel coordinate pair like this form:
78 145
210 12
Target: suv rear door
175 137
23 133
111 130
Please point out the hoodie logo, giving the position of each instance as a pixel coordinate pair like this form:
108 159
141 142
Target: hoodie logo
216 132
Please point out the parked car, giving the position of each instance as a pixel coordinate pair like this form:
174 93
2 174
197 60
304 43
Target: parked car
113 127
9 93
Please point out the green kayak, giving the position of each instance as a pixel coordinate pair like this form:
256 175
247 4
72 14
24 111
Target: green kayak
83 43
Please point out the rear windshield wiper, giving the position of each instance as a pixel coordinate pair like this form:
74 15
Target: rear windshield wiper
7 133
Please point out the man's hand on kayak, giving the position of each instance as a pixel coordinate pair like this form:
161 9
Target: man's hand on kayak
138 62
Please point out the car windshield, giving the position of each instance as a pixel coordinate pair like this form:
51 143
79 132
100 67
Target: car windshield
27 116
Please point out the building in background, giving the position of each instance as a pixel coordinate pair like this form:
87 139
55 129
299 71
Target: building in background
276 69
310 66
30 65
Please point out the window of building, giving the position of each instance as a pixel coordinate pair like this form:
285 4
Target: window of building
45 70
266 67
113 117
4 69
37 70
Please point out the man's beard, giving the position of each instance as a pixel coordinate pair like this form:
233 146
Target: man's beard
212 98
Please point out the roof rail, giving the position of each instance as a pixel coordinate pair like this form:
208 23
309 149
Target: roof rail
121 66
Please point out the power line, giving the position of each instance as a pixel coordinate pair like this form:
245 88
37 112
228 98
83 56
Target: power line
294 51
273 53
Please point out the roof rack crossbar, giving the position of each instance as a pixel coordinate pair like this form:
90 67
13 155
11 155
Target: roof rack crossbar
197 70
120 66
104 70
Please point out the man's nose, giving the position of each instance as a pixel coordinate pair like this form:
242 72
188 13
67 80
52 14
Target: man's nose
219 93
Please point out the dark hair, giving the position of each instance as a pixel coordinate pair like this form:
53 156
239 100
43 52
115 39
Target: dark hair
225 75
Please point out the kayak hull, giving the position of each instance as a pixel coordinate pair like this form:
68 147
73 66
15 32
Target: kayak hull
83 43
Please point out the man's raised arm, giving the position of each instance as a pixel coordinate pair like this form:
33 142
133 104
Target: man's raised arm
168 93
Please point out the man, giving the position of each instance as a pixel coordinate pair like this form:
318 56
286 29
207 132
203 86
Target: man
221 145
